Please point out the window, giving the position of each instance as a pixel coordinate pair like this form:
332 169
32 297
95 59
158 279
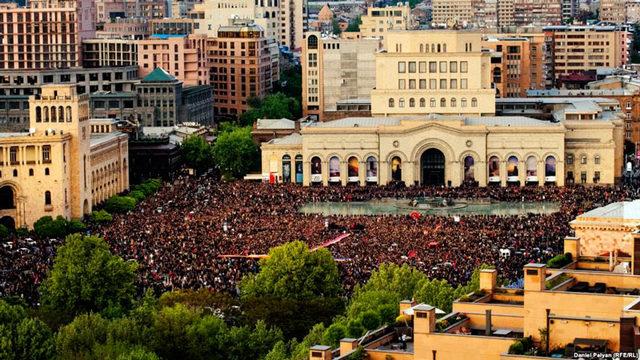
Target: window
596 160
391 103
422 66
569 159
463 102
401 103
628 104
474 102
46 171
443 102
583 159
423 103
412 102
30 172
453 102
443 66
596 177
412 66
13 155
463 83
47 198
453 67
402 67
583 177
432 84
423 84
432 102
46 154
453 84
412 83
402 84
443 84
15 173
433 66
464 66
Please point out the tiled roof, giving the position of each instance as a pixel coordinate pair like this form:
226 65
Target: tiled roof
159 75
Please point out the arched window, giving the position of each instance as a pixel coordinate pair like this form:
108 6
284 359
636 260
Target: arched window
46 171
532 169
30 172
38 114
401 102
67 113
423 102
47 197
439 48
550 169
443 102
298 167
334 169
469 163
412 102
392 102
427 48
474 102
60 114
316 169
372 169
444 47
396 169
432 102
286 169
54 118
421 48
353 169
15 173
312 42
453 102
494 169
463 102
512 168
596 159
433 47
46 114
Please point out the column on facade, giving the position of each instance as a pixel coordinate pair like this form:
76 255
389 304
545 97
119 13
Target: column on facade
503 172
325 172
362 172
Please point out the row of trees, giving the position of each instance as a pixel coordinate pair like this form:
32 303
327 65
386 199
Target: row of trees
128 202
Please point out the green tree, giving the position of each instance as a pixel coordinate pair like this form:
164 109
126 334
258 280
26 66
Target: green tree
86 277
197 153
22 337
78 339
47 227
138 353
101 217
207 338
335 27
4 232
279 352
120 204
300 351
354 25
170 337
274 106
235 152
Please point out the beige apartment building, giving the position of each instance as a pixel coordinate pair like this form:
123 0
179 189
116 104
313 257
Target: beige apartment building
45 34
579 49
184 57
282 20
378 20
441 71
337 76
61 167
517 63
620 11
244 63
108 10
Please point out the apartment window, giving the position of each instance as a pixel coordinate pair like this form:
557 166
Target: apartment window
46 154
583 177
402 84
463 84
433 66
453 102
453 67
412 66
13 155
628 104
423 84
443 102
46 171
453 84
432 84
596 159
412 102
432 102
401 103
443 66
583 159
464 66
423 102
412 83
474 102
443 84
596 177
463 102
569 159
422 66
47 198
402 67
30 172
391 103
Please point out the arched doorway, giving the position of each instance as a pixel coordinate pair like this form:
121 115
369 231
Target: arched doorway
7 198
8 222
432 167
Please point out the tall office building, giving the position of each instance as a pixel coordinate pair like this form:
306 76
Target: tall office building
45 34
181 56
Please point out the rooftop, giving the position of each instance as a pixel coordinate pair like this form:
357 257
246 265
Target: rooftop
625 210
159 75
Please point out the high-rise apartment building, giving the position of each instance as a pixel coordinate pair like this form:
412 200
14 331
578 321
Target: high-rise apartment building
244 63
337 76
423 72
517 63
108 10
620 11
282 20
109 52
537 12
451 12
580 49
184 57
379 20
45 34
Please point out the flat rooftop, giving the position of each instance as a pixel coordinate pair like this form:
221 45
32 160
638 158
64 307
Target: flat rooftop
625 210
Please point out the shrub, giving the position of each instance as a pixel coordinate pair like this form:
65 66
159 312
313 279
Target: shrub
370 320
47 227
334 333
22 231
101 217
120 204
139 195
559 261
4 232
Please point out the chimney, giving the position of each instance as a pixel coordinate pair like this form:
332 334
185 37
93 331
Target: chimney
406 305
572 246
487 322
424 319
534 277
488 280
347 345
320 352
297 125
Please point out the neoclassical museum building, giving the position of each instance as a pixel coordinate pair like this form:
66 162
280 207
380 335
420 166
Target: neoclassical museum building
550 141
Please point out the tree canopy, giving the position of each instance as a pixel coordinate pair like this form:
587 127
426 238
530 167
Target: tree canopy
274 106
235 152
86 277
197 153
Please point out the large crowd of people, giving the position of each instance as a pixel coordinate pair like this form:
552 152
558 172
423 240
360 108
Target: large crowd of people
177 235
